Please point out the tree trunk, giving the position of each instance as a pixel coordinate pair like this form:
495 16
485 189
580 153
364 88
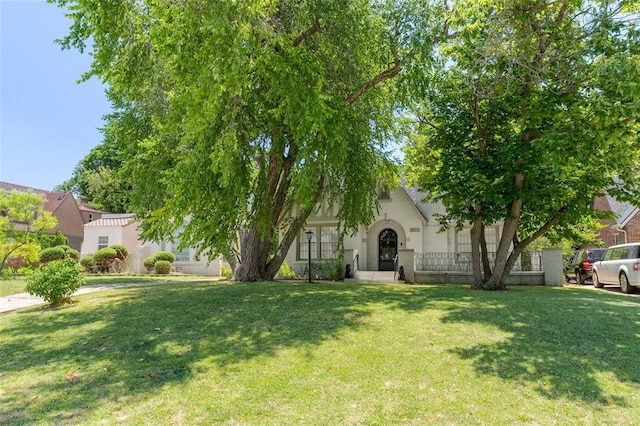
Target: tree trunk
509 232
477 229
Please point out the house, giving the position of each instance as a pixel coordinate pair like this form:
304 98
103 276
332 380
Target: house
88 212
123 229
403 222
63 207
404 226
625 228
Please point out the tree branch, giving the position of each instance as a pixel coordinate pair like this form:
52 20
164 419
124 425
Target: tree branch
383 76
315 28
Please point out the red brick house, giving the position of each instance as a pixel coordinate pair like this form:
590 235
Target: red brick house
63 207
625 228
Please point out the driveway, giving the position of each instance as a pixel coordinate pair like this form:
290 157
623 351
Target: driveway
607 289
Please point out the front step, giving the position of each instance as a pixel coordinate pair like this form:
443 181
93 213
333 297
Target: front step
374 277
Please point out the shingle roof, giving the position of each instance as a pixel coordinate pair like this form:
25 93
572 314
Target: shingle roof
113 220
624 211
52 200
12 186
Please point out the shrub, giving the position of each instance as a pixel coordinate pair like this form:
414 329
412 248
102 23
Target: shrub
104 258
149 262
72 253
162 266
165 255
121 251
88 263
330 269
56 281
286 272
225 271
52 253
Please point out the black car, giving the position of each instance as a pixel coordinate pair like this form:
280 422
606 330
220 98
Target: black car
579 265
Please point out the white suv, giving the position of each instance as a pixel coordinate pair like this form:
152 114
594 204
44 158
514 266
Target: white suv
620 265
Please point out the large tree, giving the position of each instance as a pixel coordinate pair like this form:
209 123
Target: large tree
100 177
531 111
241 116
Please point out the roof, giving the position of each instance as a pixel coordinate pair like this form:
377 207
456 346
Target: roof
13 187
624 211
52 200
85 207
121 220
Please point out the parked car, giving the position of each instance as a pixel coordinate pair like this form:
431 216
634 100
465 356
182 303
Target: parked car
620 265
579 265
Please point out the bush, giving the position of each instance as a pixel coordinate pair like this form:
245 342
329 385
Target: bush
72 253
149 262
104 258
286 272
165 255
52 253
121 251
330 269
225 271
56 281
88 263
162 266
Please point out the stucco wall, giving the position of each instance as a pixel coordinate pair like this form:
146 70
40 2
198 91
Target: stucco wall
70 222
90 243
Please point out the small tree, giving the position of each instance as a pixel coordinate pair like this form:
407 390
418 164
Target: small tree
121 251
88 263
56 281
104 258
23 217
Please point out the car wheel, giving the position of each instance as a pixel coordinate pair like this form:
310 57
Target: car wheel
579 278
624 284
596 281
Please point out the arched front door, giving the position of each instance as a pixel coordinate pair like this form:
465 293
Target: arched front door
387 249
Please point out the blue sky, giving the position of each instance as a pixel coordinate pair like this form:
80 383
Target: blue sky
48 122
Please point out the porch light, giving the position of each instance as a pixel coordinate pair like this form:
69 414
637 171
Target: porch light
309 236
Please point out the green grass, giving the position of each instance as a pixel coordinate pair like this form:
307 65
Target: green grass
318 354
12 286
17 285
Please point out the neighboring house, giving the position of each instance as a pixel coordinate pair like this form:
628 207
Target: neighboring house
625 228
88 212
63 207
123 229
403 221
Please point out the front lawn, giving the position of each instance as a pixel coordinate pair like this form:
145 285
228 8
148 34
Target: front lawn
17 285
328 353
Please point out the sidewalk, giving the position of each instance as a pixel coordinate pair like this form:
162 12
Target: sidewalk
25 300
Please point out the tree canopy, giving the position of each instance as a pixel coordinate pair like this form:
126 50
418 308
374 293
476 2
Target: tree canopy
23 218
242 116
100 177
531 111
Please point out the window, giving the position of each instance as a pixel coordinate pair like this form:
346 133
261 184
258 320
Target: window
181 255
103 242
383 193
463 239
325 247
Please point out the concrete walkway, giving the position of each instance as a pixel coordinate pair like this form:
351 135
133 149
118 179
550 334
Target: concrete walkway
25 300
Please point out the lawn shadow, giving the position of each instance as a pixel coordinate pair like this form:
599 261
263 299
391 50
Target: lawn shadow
564 343
138 339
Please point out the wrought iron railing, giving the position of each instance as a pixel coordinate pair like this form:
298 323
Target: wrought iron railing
461 261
